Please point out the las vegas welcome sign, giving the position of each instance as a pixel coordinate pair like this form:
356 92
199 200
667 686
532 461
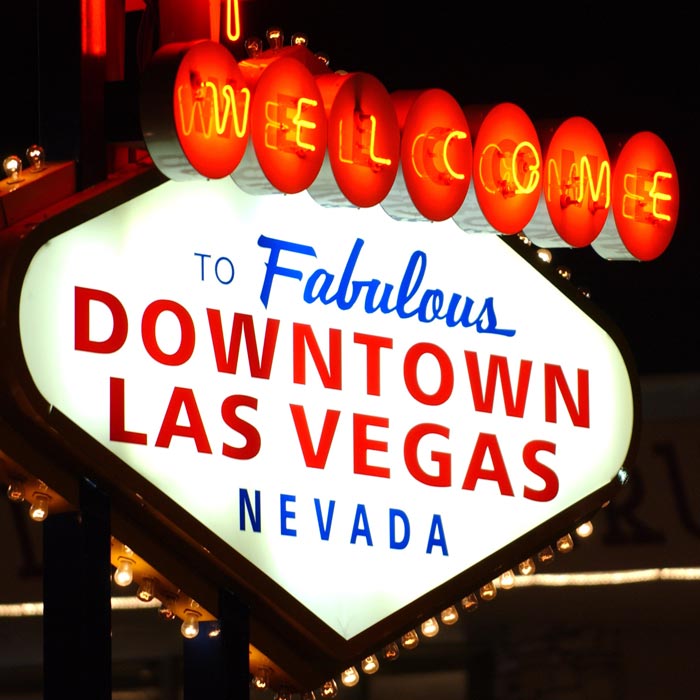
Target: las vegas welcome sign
367 416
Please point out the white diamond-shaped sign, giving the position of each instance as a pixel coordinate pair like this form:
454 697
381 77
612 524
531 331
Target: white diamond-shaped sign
362 408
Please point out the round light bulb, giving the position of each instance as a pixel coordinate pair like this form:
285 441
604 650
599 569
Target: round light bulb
565 544
214 629
36 158
488 591
391 651
470 603
430 627
124 573
507 579
12 165
39 509
275 37
308 695
283 694
370 664
166 612
299 40
546 555
190 625
329 689
146 590
527 567
410 640
15 491
449 616
350 677
585 529
544 255
261 679
253 46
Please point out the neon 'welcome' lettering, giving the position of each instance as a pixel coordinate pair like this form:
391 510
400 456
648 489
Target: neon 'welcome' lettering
659 196
580 181
233 20
505 167
530 160
631 198
276 111
300 123
219 118
524 157
435 148
365 145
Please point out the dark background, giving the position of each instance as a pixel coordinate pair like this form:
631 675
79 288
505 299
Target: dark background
623 75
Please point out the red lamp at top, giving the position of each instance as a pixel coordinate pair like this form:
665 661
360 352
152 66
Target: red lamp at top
436 156
363 141
577 182
507 175
645 201
288 130
202 128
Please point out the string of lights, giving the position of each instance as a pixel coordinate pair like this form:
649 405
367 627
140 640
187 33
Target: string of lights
588 578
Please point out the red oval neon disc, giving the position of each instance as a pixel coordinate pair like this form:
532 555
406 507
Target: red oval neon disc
576 181
288 125
645 195
507 168
211 105
436 154
363 140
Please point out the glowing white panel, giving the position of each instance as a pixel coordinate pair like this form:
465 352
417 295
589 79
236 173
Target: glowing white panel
342 503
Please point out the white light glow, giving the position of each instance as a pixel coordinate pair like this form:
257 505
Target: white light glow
37 609
610 578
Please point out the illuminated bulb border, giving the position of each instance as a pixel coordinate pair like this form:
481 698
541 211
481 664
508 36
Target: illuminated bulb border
190 625
146 591
15 491
39 506
124 573
370 664
411 639
506 581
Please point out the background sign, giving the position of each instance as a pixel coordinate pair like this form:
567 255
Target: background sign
369 417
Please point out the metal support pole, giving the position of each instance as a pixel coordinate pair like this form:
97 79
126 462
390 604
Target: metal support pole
77 600
217 668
